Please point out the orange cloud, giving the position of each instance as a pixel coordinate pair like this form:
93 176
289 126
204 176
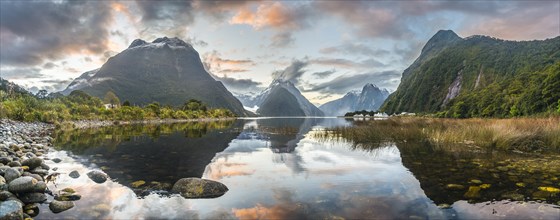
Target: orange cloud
274 15
216 64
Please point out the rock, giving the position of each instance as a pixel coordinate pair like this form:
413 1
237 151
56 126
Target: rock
3 169
475 181
5 160
45 166
40 187
2 182
452 186
473 192
11 210
60 206
40 171
97 176
68 197
74 174
520 184
138 183
56 160
513 196
549 189
14 164
22 184
199 188
485 186
5 195
32 163
11 174
33 198
68 190
36 176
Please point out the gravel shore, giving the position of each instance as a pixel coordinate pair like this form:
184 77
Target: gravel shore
23 173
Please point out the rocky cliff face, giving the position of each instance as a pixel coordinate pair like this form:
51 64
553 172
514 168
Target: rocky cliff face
370 99
167 70
479 76
281 98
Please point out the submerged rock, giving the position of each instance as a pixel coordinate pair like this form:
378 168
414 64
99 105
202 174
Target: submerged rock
472 193
60 206
11 210
97 176
138 183
199 188
453 186
74 174
549 189
513 196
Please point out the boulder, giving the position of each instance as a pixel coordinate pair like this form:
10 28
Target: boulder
60 206
32 163
199 188
11 174
28 198
97 176
74 174
22 184
11 210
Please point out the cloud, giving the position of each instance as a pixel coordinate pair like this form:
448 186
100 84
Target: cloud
348 64
354 48
344 84
49 65
285 19
368 19
32 33
21 73
324 74
239 85
165 17
282 39
214 63
291 73
522 21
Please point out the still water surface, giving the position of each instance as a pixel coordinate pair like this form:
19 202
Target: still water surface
279 168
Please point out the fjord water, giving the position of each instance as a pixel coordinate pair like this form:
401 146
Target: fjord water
282 168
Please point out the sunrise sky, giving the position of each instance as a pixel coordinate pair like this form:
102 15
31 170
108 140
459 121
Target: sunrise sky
331 47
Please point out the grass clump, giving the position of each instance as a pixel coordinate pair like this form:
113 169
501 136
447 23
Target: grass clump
518 134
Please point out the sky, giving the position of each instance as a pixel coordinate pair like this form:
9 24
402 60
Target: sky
327 48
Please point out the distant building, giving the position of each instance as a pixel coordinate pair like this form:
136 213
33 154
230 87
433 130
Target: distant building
110 106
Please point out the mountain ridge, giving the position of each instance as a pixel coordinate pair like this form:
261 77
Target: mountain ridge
478 76
169 67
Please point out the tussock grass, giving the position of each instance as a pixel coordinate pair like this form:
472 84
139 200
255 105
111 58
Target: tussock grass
519 134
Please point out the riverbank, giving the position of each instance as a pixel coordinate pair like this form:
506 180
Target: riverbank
83 124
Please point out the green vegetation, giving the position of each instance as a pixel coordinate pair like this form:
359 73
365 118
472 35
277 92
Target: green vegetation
525 134
362 112
78 105
499 79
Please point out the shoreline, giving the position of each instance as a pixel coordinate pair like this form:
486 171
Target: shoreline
84 124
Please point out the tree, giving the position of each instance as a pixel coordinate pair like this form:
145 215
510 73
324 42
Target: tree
111 98
194 105
558 106
126 103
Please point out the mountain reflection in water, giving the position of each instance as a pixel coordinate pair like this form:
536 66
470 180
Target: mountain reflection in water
274 168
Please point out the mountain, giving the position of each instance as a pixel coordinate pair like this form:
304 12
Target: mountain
281 98
167 70
480 76
10 87
370 98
